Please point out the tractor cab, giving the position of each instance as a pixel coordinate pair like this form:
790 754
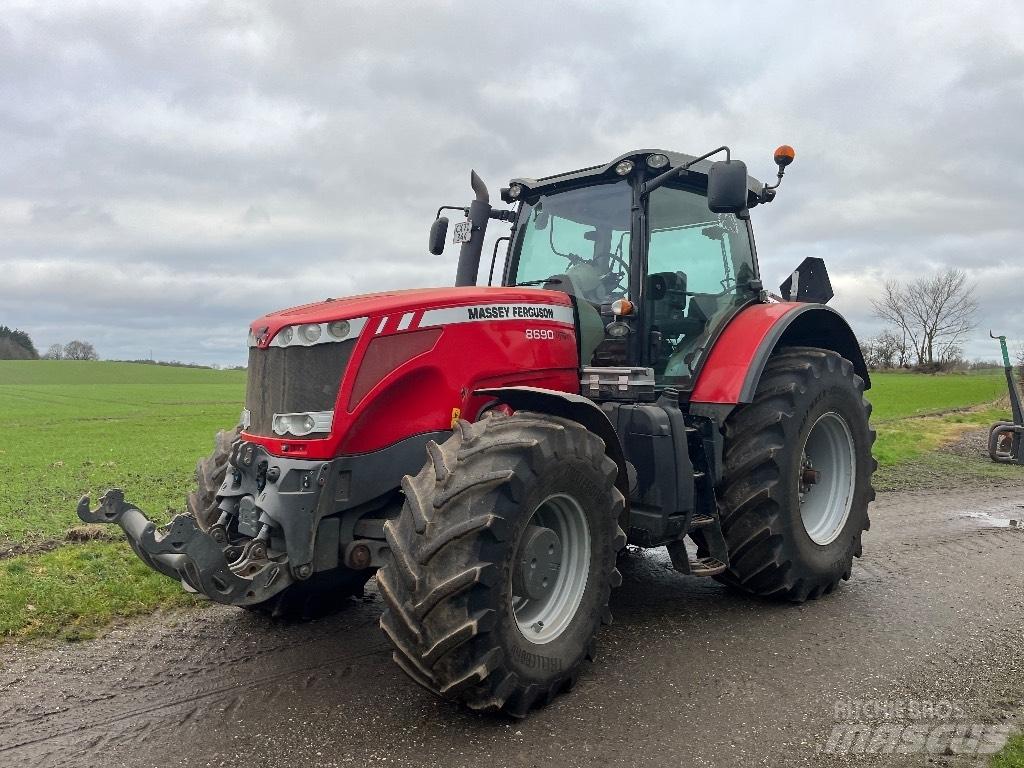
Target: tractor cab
655 247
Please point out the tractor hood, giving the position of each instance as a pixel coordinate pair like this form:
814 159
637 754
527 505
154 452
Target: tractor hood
382 305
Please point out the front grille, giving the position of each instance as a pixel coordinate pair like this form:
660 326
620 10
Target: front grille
293 380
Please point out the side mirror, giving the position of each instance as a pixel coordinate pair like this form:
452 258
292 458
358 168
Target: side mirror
727 186
438 234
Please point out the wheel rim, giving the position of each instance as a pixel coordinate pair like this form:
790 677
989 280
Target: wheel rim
826 478
550 569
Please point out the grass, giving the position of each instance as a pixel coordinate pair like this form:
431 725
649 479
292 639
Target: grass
80 427
1010 756
913 415
900 440
73 591
898 395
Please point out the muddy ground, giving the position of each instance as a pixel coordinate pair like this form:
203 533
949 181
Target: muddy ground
689 674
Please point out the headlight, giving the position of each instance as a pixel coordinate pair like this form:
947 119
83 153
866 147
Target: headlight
624 168
515 190
302 424
657 161
617 330
308 334
338 329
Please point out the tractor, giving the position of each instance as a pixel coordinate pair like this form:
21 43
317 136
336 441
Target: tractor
488 452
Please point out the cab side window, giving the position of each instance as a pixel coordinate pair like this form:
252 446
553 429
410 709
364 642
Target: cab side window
699 265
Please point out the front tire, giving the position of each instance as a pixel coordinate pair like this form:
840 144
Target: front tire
797 482
503 560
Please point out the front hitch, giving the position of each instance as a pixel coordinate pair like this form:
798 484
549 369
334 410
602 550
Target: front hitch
183 551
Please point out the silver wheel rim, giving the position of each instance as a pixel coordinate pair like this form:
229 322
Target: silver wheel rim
826 478
543 618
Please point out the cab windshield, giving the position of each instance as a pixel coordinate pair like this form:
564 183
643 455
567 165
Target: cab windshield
577 236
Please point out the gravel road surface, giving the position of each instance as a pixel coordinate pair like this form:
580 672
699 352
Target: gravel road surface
928 634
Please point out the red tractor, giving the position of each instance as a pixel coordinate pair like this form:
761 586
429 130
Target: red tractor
488 452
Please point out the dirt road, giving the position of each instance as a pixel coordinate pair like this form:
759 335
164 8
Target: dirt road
689 674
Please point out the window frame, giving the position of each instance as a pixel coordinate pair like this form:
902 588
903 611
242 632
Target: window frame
515 246
639 346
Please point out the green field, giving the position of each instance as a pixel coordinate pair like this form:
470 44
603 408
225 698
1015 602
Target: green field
913 414
72 428
76 427
898 395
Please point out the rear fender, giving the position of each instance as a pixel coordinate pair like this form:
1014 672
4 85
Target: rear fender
737 360
569 406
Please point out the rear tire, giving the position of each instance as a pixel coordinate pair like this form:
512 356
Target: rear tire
792 534
464 609
323 593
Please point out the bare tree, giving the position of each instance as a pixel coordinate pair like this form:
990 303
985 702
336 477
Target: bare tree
888 349
54 352
80 350
953 357
934 314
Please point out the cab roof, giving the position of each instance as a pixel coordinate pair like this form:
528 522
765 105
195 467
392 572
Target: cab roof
547 184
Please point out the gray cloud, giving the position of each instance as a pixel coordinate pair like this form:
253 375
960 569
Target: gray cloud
171 171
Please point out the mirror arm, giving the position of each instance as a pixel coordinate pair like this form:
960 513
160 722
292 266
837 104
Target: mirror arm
782 172
768 190
465 210
649 186
784 155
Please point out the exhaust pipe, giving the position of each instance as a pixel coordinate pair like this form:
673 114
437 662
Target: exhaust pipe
479 213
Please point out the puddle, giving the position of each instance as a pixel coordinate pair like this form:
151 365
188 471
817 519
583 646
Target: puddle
998 516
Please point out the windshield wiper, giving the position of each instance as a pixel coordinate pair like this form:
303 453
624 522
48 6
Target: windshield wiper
541 282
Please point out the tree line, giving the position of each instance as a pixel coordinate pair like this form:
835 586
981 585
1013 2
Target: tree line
73 350
15 344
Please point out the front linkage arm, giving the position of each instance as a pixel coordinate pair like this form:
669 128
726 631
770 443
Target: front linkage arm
183 551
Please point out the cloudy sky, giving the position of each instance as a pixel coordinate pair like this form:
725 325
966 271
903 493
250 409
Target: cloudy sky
170 171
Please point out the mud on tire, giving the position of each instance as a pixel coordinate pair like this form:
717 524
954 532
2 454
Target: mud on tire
448 590
771 552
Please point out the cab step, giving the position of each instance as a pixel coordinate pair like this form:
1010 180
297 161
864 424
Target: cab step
692 565
702 521
706 566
